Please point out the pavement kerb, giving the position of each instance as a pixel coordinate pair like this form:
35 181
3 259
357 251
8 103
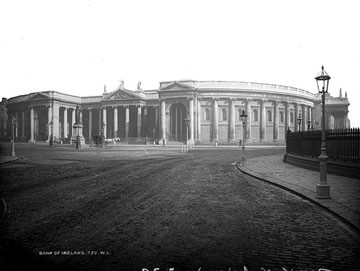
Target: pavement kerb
276 183
8 159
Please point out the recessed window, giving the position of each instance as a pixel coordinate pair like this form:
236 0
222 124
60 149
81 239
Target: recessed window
224 115
207 114
256 115
269 115
281 116
291 117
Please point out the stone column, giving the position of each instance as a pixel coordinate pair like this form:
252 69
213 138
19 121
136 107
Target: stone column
195 118
232 121
50 119
287 117
215 127
163 126
176 124
248 120
144 123
72 121
156 112
138 122
296 117
312 116
116 122
65 122
191 113
104 121
90 124
100 122
23 123
304 119
127 118
56 119
308 116
262 121
181 125
32 124
199 119
276 121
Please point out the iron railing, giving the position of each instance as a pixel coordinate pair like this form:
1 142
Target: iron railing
343 145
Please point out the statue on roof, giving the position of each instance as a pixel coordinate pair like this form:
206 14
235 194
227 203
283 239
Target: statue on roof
121 84
77 115
345 94
105 88
139 86
340 93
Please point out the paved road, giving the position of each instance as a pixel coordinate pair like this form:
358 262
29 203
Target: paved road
153 208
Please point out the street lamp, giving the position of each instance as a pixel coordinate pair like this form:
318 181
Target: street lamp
187 123
13 137
308 124
323 189
299 122
51 141
243 117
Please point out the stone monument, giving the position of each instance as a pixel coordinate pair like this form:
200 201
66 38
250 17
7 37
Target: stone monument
77 127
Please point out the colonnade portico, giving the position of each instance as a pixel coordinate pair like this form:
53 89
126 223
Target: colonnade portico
272 116
213 108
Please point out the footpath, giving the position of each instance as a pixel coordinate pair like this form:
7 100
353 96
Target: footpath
344 191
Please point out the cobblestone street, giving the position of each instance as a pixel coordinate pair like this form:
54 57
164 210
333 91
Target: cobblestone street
157 207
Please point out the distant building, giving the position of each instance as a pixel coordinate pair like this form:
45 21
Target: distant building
3 120
214 109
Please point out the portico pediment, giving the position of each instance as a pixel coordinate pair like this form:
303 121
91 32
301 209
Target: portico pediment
121 94
38 96
176 86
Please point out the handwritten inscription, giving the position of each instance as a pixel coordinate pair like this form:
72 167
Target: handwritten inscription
74 253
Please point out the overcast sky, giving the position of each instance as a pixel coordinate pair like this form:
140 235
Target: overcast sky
78 46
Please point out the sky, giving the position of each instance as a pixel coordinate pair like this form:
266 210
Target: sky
78 46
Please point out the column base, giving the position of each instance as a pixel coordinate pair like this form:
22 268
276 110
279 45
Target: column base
323 191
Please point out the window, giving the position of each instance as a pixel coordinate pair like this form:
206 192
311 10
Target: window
256 115
269 115
207 114
291 117
281 116
239 114
224 115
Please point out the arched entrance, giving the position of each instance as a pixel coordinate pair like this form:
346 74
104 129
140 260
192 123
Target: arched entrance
178 113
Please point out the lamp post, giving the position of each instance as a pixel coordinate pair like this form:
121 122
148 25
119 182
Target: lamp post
187 123
13 137
308 124
243 117
51 141
323 189
299 122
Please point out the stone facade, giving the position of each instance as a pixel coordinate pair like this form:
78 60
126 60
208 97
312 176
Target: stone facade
213 109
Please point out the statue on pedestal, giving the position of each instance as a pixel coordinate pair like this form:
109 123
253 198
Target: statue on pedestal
77 115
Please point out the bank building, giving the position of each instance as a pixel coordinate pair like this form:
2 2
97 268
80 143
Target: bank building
213 110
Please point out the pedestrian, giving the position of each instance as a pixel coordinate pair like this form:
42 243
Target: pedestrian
78 143
240 141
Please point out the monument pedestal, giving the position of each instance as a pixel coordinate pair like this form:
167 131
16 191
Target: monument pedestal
77 130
